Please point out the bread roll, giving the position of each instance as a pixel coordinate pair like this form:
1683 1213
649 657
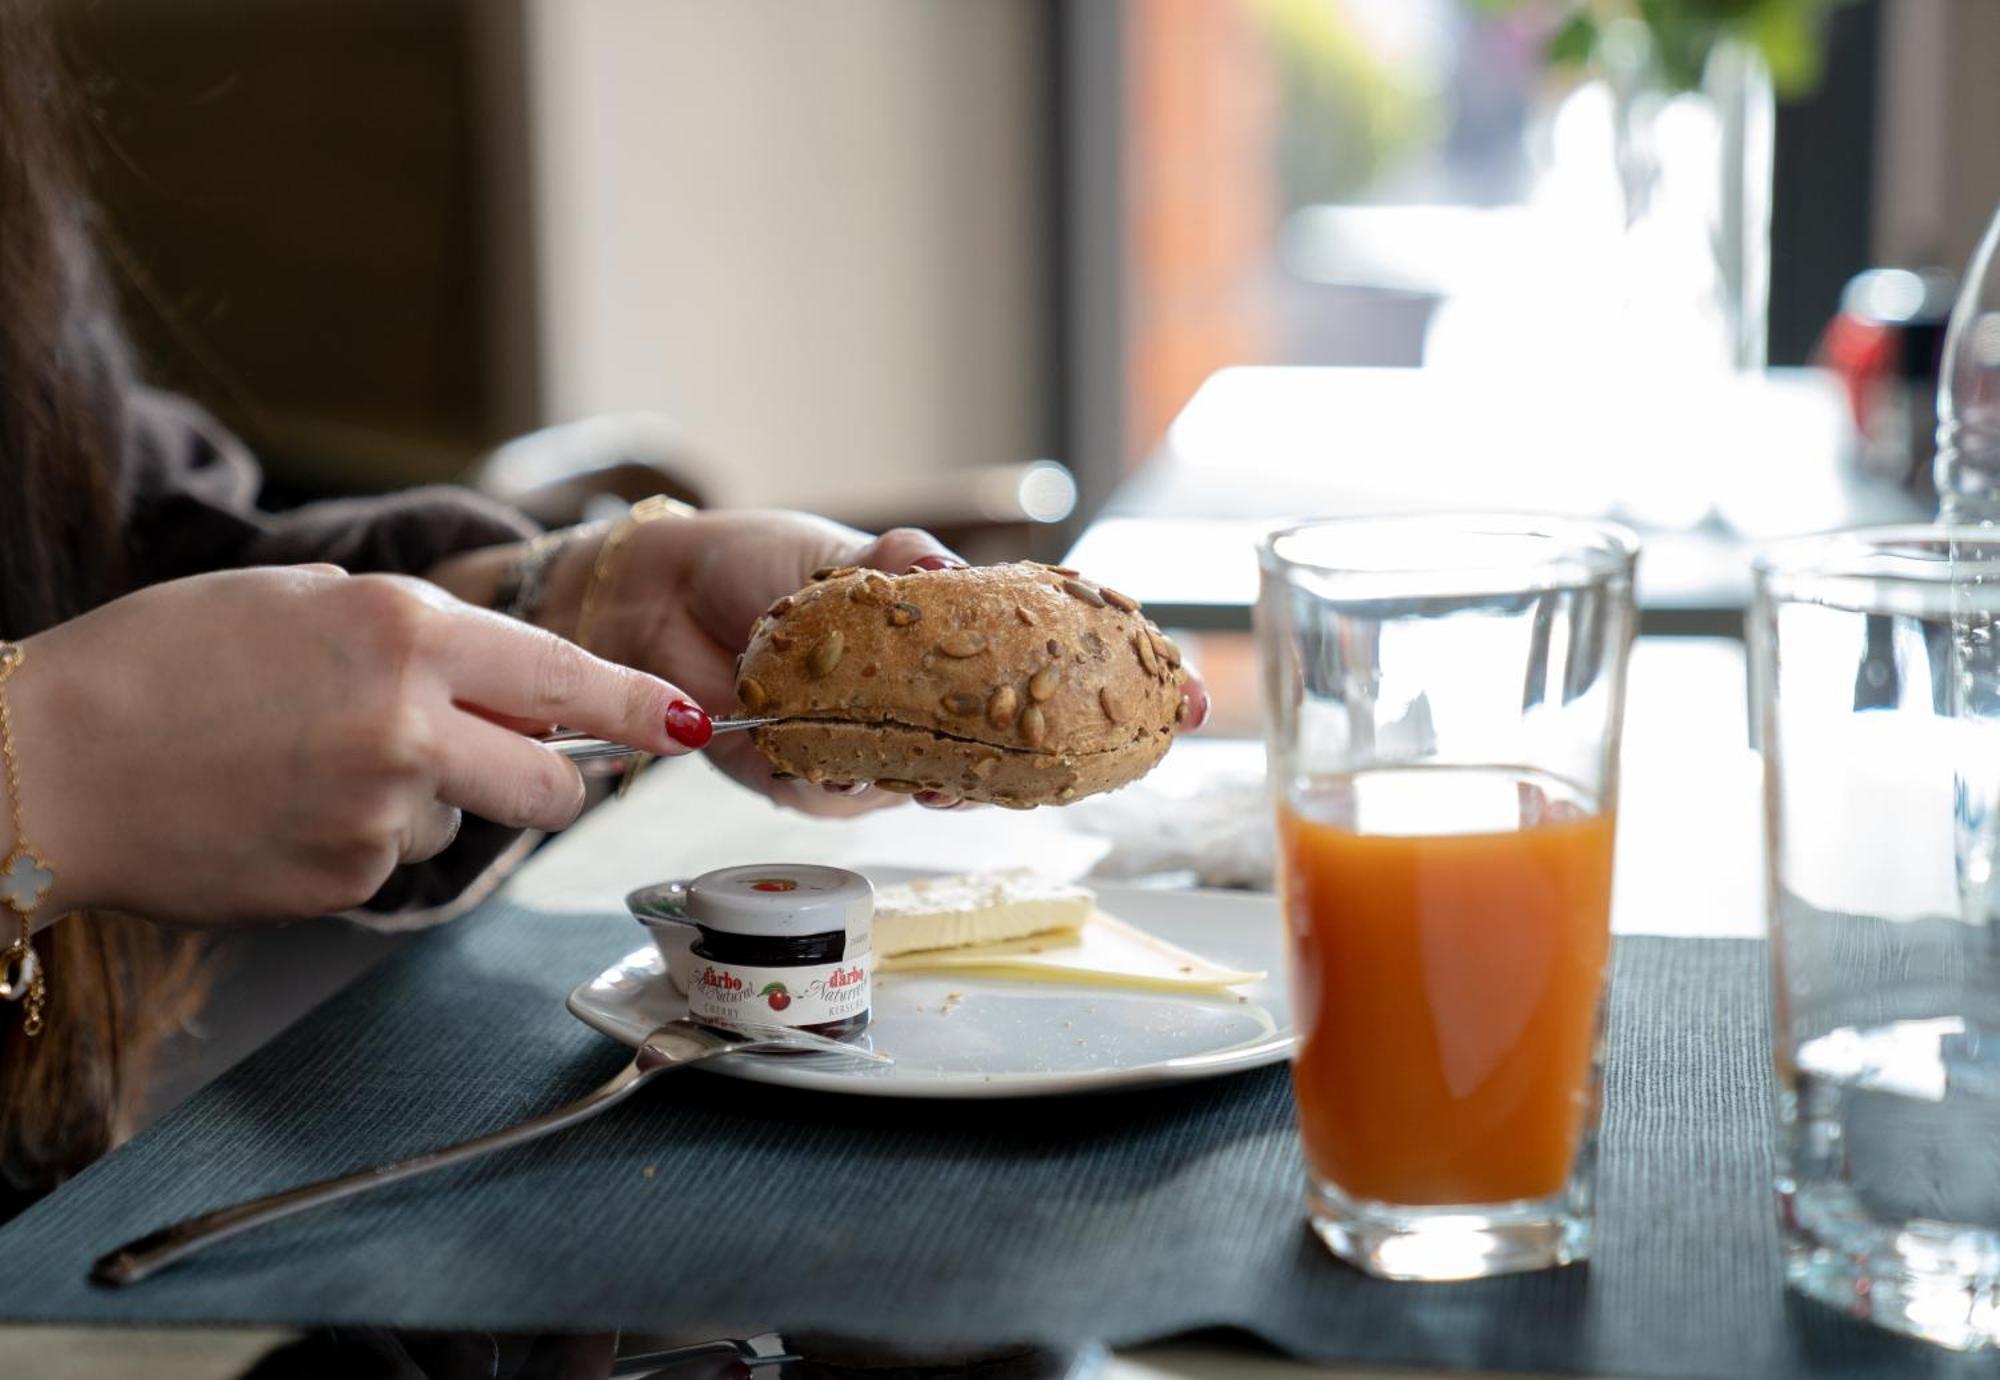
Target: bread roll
1018 685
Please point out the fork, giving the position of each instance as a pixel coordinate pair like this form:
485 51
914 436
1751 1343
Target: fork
672 1046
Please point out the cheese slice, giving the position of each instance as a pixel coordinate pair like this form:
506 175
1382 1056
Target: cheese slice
985 908
1105 951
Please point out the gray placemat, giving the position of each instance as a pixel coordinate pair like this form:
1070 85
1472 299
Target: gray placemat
717 1205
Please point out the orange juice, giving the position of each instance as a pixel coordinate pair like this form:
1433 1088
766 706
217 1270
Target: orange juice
1449 931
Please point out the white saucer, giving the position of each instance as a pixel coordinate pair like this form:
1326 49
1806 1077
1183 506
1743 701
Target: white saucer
959 1035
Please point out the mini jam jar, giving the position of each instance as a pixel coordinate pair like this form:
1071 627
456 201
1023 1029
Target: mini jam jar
773 944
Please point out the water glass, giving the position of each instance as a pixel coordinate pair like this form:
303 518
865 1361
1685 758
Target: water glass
1881 763
1443 698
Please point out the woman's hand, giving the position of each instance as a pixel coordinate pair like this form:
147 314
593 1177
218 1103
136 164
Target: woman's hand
270 743
684 592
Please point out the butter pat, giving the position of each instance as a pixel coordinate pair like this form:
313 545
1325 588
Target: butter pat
1106 952
950 913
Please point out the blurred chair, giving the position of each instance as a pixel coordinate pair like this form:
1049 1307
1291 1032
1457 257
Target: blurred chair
578 471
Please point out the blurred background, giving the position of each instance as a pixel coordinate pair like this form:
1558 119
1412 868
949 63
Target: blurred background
977 263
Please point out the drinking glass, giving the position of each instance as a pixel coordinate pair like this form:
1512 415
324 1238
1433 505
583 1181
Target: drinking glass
1881 757
1444 696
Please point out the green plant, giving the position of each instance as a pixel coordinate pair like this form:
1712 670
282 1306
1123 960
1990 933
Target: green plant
1344 113
1680 34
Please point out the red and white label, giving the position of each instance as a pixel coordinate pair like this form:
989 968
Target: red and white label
810 995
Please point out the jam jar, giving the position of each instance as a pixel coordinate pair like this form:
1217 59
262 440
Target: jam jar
774 944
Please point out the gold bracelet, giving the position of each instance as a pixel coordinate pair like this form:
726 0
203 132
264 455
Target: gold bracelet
644 511
25 877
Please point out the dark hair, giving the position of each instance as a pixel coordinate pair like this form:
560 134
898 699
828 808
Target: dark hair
115 983
61 364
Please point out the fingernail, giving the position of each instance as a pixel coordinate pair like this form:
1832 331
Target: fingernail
688 724
843 787
937 800
937 563
1196 696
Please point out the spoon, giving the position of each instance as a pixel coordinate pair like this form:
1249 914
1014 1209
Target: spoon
674 1045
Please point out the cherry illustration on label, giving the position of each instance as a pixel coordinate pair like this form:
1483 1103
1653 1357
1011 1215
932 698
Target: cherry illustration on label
776 996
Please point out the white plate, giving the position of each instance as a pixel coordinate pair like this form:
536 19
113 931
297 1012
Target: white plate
1003 1038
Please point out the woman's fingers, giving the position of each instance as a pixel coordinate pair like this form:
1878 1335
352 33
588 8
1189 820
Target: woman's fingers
738 757
1194 693
498 775
509 670
432 831
533 728
905 548
809 799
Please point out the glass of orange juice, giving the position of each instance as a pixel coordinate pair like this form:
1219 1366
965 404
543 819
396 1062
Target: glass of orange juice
1443 699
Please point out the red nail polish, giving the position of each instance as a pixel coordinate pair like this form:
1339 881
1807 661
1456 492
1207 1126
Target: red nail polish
1196 695
936 563
937 800
688 724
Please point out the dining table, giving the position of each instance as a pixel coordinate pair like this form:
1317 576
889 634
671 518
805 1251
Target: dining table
1688 871
1177 1247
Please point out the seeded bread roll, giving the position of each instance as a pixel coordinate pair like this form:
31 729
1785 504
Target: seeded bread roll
1018 685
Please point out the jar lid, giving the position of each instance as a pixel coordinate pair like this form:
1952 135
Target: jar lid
781 901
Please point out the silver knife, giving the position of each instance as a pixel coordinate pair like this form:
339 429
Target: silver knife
581 747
